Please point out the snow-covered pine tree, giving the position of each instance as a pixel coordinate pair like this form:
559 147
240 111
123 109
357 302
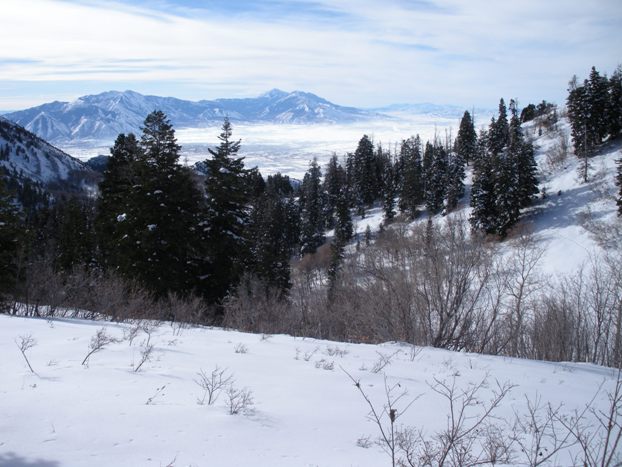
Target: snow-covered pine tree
436 179
169 250
312 210
483 195
615 103
499 131
578 112
522 153
619 183
466 142
598 115
410 189
455 179
364 174
226 218
334 182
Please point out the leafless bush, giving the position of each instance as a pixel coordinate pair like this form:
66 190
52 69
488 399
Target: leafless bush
25 343
145 354
325 364
336 351
239 400
100 340
600 441
539 434
383 361
212 384
395 405
240 348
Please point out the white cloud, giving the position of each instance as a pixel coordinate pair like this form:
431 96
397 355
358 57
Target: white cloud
376 52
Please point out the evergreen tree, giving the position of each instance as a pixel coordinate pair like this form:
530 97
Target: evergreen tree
389 192
271 247
466 142
334 182
364 174
455 179
483 194
312 210
615 103
168 253
9 236
225 226
598 115
436 184
578 113
118 207
521 153
619 183
73 232
499 131
410 187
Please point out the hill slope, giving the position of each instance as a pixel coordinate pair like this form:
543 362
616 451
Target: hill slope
25 156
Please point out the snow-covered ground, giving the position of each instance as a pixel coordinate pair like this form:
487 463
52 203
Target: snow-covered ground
307 412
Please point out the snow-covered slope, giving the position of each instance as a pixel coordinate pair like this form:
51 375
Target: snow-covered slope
307 412
103 116
25 155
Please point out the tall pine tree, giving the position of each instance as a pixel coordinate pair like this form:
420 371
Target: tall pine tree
226 220
312 210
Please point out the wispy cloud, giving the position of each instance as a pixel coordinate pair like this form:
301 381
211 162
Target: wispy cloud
357 52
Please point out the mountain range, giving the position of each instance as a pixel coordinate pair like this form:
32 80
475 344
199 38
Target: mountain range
103 116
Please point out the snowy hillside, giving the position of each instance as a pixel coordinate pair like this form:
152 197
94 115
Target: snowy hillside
24 155
104 116
306 410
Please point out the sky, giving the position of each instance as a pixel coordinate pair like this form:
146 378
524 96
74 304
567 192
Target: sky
363 53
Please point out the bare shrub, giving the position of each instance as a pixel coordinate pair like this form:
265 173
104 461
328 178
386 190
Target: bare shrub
239 400
159 392
539 434
601 440
145 354
212 384
383 361
395 405
25 343
240 348
557 156
98 342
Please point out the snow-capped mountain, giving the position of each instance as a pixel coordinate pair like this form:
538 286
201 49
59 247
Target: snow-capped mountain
103 116
24 155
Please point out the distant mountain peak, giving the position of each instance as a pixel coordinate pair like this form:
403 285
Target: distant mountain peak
101 117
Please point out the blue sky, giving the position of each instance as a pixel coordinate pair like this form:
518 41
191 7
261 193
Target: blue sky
363 53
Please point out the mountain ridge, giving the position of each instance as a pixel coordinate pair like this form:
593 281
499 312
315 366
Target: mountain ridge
103 116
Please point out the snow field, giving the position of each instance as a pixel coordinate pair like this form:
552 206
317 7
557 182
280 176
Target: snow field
305 413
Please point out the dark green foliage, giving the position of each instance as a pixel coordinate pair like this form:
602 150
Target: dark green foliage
615 103
148 211
504 177
228 194
364 176
498 132
410 186
455 179
9 238
71 226
466 142
578 114
312 206
619 183
279 184
271 247
528 113
436 178
335 179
